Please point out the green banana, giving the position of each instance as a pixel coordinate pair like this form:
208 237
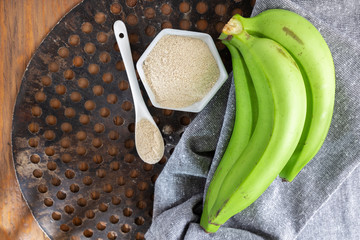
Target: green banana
243 124
310 51
281 115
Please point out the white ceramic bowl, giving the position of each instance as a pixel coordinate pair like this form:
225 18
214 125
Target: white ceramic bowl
198 106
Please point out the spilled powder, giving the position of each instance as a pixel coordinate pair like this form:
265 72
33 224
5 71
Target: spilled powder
180 71
149 142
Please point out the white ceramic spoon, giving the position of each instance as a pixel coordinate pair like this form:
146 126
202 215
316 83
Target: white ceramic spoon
148 140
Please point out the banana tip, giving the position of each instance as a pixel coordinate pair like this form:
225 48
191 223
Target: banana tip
205 230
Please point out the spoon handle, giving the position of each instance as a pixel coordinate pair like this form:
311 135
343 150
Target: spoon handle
122 40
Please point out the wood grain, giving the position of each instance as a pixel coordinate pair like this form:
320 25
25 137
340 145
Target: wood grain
23 25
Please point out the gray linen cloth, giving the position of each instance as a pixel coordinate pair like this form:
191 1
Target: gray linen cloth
322 202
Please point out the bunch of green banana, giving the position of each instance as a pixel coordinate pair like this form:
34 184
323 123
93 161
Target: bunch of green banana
310 51
285 83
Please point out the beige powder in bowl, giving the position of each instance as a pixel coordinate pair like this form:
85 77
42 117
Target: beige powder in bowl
180 71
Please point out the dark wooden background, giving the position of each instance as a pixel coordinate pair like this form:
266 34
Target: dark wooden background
23 25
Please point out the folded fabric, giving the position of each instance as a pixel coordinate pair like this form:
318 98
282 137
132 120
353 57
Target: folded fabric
323 200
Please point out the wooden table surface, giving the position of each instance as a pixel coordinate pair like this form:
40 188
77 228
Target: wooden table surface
23 25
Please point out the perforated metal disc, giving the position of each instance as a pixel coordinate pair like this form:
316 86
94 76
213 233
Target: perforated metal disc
73 123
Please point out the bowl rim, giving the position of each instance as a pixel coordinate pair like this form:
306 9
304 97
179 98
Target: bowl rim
223 75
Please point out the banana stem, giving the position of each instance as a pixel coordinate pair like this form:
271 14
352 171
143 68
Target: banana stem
233 27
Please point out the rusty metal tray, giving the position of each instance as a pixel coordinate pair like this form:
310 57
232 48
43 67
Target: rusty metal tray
73 122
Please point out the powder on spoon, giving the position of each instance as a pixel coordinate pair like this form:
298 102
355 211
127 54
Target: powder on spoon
180 71
149 142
